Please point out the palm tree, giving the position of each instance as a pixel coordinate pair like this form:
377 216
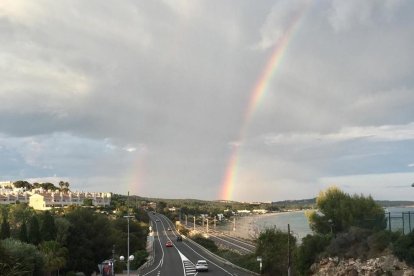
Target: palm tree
54 256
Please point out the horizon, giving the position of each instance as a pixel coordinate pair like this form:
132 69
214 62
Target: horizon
243 101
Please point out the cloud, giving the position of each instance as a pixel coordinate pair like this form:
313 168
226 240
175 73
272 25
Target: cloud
149 94
372 133
278 21
391 186
345 15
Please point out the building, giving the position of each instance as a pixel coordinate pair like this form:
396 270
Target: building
47 200
41 199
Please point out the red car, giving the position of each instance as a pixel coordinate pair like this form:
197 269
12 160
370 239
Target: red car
169 244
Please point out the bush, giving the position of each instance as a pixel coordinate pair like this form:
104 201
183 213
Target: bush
207 243
379 241
140 257
182 230
403 248
352 244
309 250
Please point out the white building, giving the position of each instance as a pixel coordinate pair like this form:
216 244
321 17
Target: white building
45 201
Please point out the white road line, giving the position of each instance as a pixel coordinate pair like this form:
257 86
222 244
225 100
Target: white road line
162 258
168 221
244 248
239 240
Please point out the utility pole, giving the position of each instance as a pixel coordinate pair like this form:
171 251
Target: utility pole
234 224
207 225
214 222
288 249
194 223
113 259
186 217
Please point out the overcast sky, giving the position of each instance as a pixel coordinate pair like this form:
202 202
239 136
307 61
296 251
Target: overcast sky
150 96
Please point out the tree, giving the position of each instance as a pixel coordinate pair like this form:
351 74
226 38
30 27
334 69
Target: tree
161 205
34 231
272 246
62 229
23 184
48 229
49 186
19 213
23 233
54 256
5 229
339 211
87 202
64 186
22 258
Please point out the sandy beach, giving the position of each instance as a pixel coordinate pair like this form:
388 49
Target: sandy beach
249 226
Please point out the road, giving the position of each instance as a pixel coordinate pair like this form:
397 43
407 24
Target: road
181 258
240 245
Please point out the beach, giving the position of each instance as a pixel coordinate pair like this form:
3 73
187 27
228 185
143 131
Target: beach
249 226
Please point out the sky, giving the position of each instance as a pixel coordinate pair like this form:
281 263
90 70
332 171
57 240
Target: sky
235 100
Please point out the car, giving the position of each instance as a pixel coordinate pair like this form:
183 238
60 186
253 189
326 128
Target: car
169 244
157 220
179 238
169 229
201 265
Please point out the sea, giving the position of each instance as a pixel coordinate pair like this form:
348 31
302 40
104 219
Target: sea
250 226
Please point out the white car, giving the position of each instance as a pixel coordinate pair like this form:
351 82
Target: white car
201 265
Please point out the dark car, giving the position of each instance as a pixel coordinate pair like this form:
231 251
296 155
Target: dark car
179 238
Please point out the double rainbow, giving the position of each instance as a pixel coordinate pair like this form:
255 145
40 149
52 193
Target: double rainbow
256 96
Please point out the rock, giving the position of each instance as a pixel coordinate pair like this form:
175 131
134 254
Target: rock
384 265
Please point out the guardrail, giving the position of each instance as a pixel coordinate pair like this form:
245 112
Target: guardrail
151 256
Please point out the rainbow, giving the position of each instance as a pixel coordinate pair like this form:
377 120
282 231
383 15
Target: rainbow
256 96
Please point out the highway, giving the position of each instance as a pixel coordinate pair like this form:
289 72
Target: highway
182 257
240 245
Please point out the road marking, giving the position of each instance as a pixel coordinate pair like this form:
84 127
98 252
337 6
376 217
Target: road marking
244 248
162 258
169 222
189 267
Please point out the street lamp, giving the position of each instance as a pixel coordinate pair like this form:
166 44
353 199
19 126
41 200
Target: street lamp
289 249
129 259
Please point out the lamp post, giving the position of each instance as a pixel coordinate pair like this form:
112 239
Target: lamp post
130 257
128 217
288 250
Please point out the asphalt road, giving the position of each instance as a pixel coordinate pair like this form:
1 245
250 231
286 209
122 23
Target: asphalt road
182 257
240 245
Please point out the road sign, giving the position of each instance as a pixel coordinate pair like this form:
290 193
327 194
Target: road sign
259 259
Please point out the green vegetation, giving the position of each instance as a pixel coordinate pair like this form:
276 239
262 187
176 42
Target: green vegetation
272 246
68 240
339 211
345 226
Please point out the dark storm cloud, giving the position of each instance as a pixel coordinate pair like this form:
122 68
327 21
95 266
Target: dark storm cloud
165 85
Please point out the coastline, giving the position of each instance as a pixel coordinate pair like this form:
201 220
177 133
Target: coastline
249 226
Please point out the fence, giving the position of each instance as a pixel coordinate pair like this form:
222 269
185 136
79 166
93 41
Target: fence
403 221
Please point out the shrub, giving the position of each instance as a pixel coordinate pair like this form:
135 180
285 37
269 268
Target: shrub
403 248
311 247
207 243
